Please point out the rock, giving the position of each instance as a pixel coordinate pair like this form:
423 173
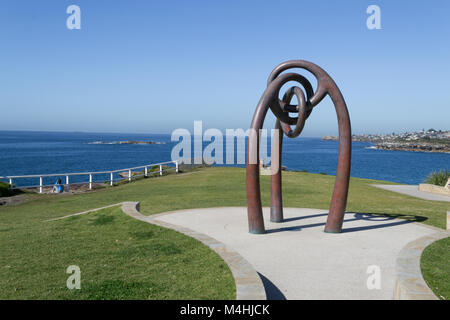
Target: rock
412 146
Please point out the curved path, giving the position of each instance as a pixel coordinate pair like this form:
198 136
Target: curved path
413 191
297 260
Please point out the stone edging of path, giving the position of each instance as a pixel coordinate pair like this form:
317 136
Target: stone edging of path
249 285
409 283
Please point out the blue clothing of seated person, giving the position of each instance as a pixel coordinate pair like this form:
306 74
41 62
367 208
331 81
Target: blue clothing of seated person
58 187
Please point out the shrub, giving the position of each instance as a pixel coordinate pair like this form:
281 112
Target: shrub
5 191
154 168
438 178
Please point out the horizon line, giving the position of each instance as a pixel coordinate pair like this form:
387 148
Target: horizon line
160 133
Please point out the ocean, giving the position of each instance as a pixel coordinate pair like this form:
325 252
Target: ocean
26 152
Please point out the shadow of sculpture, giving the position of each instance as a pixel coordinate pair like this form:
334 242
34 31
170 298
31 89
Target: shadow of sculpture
392 219
272 292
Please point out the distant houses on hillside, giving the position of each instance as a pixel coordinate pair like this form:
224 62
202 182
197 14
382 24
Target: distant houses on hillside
423 135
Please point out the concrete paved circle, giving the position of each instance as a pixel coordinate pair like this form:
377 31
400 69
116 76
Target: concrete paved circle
297 260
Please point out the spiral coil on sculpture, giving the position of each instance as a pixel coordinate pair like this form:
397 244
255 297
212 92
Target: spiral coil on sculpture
281 109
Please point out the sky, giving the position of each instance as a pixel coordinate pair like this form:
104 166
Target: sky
154 66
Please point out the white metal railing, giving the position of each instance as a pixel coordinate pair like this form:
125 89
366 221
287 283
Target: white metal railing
111 173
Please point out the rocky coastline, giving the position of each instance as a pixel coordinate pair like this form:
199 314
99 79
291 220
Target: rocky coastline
422 141
411 146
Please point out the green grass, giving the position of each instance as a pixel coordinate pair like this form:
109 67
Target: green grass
435 264
438 178
119 258
27 243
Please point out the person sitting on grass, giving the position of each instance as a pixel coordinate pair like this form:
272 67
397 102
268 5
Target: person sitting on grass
58 187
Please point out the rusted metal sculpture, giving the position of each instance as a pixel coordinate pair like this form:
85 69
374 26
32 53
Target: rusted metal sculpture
281 109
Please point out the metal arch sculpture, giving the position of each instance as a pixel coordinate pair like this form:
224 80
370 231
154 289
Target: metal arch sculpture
281 109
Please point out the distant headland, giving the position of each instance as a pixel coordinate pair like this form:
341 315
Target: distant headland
425 141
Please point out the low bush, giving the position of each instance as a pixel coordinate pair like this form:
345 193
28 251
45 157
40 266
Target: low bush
438 178
5 191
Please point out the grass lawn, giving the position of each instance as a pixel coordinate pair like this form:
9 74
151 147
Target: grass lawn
147 261
119 258
435 264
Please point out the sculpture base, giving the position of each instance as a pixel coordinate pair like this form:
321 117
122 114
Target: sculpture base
257 231
332 231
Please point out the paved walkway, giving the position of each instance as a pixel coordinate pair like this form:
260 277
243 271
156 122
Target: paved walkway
297 260
412 190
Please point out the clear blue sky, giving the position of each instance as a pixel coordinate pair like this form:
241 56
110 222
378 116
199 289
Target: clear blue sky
153 66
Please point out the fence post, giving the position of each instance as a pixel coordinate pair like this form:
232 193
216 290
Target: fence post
10 183
146 172
67 183
176 166
90 181
111 179
129 175
160 169
40 185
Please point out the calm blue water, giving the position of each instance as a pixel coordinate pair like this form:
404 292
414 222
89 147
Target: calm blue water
24 153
